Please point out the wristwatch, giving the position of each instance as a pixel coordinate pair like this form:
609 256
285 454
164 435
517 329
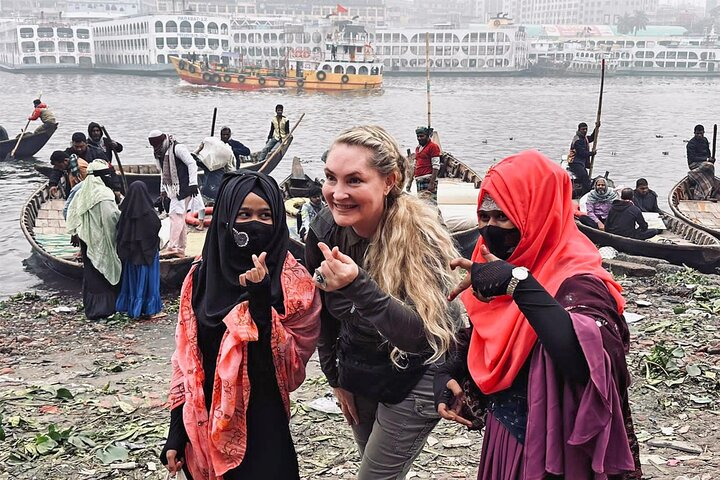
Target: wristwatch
518 275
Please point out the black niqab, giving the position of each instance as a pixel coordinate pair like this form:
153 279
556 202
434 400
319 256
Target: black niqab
216 285
138 226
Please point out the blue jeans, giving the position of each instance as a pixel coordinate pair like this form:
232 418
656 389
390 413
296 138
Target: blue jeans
269 147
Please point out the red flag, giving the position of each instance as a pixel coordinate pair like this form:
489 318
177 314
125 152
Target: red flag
340 9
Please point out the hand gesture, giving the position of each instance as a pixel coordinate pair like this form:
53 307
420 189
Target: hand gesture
256 274
193 190
452 411
466 265
174 464
336 271
432 185
346 400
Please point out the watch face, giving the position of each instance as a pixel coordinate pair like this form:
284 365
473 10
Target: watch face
520 273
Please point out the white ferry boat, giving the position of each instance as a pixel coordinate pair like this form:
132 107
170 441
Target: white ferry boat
27 45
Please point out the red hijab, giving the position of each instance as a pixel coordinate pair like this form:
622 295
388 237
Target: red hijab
536 195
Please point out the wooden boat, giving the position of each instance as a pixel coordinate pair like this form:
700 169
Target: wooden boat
150 175
29 146
680 244
42 223
702 214
458 190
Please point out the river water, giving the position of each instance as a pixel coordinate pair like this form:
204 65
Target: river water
480 120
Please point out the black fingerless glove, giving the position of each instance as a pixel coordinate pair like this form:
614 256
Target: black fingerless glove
192 190
260 301
491 279
455 367
177 436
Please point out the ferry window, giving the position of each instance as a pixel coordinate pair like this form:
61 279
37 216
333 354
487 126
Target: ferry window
350 70
223 29
47 59
85 61
225 44
171 27
327 68
45 32
396 37
202 8
161 58
266 38
199 27
158 27
200 42
84 47
473 50
212 28
185 27
362 71
67 59
464 62
29 60
490 63
671 54
46 46
692 55
273 37
681 64
172 42
28 47
160 42
214 59
27 33
316 37
83 33
387 62
64 32
638 63
483 37
186 43
403 39
682 55
66 46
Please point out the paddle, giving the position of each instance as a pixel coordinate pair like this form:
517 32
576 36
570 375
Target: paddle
11 155
117 157
212 129
597 120
714 140
278 150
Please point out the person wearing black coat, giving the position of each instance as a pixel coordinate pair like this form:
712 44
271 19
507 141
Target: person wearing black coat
698 148
644 198
623 217
96 139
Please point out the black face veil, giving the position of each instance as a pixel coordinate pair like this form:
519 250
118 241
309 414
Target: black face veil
216 286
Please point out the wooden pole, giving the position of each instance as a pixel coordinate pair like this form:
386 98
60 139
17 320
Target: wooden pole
714 140
117 157
427 77
282 145
212 129
597 119
11 155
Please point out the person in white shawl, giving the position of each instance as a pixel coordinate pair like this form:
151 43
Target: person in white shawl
92 218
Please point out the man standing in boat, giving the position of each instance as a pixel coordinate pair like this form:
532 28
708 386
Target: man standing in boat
698 149
178 178
427 164
580 154
279 130
44 114
239 150
95 139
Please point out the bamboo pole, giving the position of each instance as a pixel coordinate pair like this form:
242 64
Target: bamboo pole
597 119
427 78
714 140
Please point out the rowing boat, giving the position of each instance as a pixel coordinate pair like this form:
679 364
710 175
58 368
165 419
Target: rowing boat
29 145
458 188
43 225
150 175
702 214
680 244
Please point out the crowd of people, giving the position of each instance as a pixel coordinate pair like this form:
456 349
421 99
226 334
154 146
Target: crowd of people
531 353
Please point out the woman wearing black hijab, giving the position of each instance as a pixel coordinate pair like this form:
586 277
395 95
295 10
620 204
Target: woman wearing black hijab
138 248
248 323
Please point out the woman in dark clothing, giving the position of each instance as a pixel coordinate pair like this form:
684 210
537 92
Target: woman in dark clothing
543 365
248 323
383 260
138 247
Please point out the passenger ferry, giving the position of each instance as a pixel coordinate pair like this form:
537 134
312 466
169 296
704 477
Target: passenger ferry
29 45
341 61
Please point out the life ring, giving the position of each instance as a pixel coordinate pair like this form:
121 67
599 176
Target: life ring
182 65
344 78
207 77
496 23
261 80
300 82
215 78
227 78
281 82
191 218
241 78
321 75
293 205
192 68
306 53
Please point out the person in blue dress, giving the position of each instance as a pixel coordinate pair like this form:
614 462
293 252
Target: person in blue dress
138 247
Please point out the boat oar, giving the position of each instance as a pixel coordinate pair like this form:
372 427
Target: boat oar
117 157
282 145
597 120
714 140
11 155
212 128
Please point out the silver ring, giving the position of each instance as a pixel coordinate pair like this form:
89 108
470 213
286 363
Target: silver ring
319 278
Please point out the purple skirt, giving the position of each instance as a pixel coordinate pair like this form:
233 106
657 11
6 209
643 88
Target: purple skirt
502 454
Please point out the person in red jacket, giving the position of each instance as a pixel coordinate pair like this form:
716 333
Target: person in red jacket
427 164
44 114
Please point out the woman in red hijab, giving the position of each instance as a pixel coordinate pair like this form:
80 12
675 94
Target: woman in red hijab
543 365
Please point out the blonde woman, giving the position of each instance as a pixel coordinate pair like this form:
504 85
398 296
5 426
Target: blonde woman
382 259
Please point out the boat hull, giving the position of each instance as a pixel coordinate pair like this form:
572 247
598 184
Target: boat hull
704 215
29 146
